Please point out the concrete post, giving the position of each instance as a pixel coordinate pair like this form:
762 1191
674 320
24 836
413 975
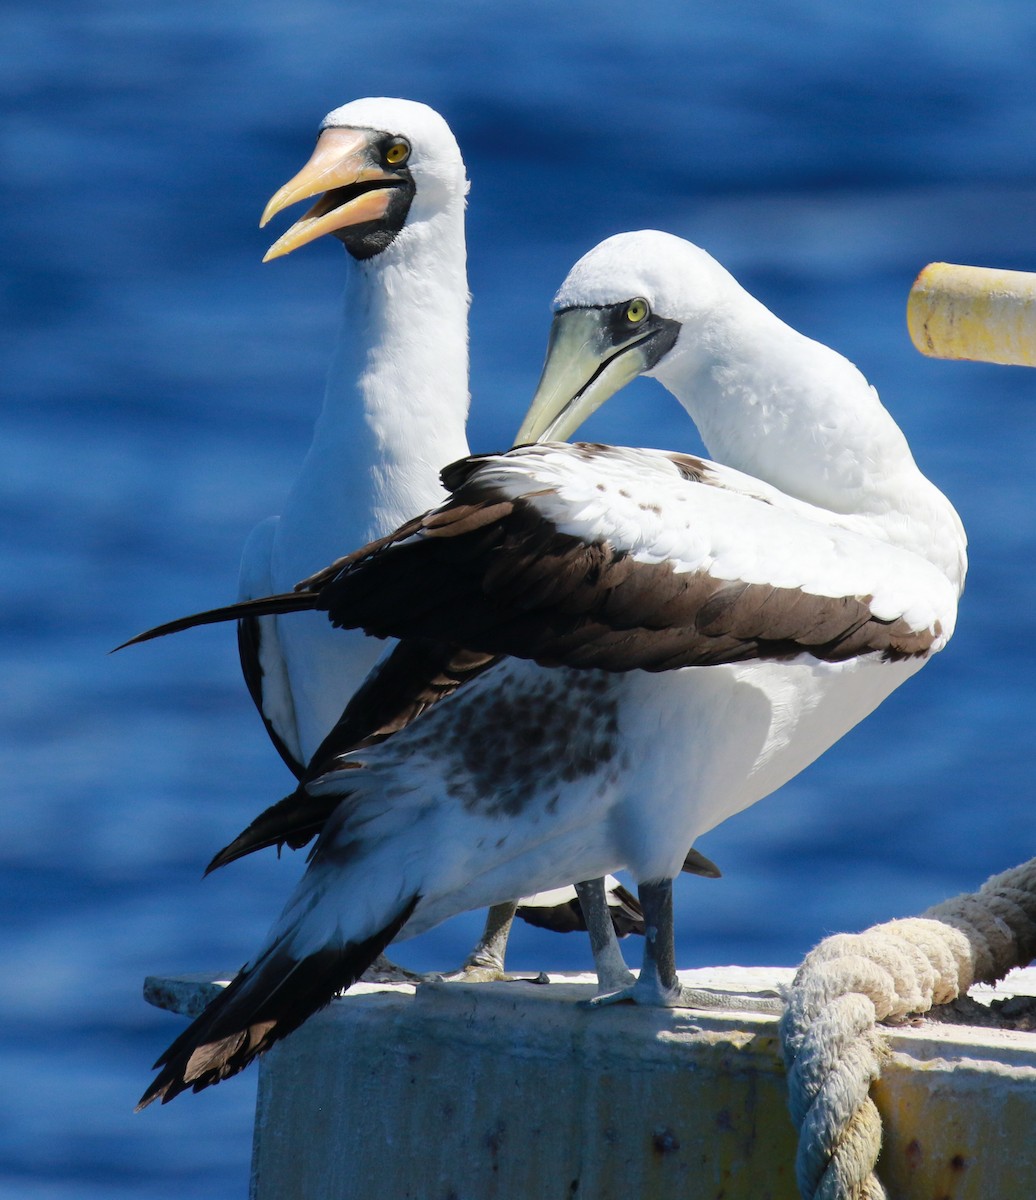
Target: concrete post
514 1092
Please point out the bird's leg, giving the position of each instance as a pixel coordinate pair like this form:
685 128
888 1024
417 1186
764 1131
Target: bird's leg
486 962
489 953
612 972
658 985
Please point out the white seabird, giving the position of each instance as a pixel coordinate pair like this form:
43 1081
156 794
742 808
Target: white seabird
710 630
391 186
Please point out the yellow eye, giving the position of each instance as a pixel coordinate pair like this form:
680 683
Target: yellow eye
636 311
397 153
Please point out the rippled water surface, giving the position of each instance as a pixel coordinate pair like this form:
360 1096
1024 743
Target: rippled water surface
160 386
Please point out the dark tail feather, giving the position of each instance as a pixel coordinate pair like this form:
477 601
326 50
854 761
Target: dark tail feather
260 1006
567 917
293 821
625 911
623 907
267 606
697 864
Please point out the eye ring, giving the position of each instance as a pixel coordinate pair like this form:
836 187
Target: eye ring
637 310
397 152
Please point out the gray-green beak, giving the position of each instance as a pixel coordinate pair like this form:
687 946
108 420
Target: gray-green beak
590 356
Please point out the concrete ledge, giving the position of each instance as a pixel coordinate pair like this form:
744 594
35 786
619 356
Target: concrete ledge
508 1091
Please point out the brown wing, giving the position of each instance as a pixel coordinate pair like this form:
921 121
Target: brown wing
495 575
416 675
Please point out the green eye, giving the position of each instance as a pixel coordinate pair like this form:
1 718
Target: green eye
398 152
636 311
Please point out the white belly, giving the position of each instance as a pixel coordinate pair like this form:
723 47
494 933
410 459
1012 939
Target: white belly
717 739
325 666
525 781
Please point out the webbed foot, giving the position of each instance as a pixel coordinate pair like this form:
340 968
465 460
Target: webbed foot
384 970
650 992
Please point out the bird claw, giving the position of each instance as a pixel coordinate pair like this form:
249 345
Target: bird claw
476 973
651 993
646 991
485 973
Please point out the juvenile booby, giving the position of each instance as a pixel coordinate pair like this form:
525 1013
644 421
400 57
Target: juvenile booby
390 184
684 636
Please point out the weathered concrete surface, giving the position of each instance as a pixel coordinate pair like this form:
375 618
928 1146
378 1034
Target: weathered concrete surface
958 1107
188 995
514 1092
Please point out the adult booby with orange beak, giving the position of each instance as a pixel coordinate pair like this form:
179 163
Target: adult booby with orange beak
390 184
684 636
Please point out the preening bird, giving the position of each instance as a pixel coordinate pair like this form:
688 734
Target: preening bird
673 638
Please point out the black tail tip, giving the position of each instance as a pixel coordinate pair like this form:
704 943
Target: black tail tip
697 864
158 1090
257 1009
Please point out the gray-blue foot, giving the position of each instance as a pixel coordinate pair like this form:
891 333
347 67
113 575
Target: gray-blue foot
646 990
486 973
485 964
652 994
658 985
384 970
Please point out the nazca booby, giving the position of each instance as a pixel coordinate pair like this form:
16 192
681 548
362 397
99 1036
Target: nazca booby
708 630
390 184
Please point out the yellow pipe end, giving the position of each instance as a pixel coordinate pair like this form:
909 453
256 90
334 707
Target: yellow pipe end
974 313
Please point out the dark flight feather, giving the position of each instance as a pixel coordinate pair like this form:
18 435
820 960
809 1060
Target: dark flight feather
261 1005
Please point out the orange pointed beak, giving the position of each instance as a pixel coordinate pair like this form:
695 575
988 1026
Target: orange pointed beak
340 165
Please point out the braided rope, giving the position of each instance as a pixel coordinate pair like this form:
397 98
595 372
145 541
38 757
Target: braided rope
849 982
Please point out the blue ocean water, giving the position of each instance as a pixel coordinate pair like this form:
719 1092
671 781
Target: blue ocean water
160 385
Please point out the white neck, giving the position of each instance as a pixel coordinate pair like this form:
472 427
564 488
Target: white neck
397 393
793 412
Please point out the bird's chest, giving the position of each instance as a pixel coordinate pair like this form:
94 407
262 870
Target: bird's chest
704 743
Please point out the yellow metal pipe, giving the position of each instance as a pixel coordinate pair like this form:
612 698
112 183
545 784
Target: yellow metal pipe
975 313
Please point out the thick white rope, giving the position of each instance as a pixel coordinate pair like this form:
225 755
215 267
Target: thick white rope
849 982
